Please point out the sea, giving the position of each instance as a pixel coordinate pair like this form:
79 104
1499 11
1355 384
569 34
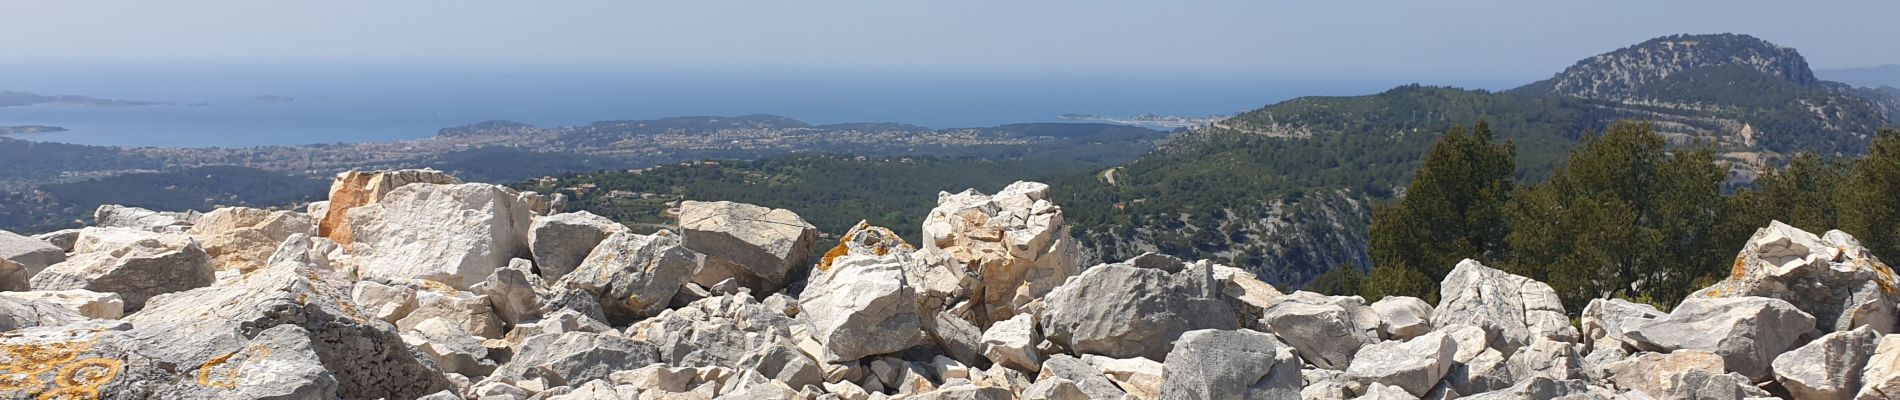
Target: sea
264 105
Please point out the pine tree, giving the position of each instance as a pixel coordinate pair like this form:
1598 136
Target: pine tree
1452 210
1870 201
1623 215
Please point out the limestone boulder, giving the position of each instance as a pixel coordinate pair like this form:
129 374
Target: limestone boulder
22 257
1123 310
1547 359
1012 343
1664 374
1324 330
1402 317
118 216
86 303
863 306
574 358
732 331
1831 277
388 303
18 313
454 234
1414 365
1512 309
561 241
1829 367
360 188
468 311
452 348
136 265
1086 377
1603 321
243 238
632 276
1748 332
1880 379
1248 295
1231 364
63 239
764 248
1140 377
1015 243
211 335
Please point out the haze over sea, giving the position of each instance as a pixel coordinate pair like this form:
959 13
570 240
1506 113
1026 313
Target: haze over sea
224 106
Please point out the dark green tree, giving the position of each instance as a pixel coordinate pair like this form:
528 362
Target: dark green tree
1342 280
1870 201
1624 216
1803 194
1452 210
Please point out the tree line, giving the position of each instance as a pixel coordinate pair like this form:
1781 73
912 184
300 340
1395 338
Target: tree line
1625 216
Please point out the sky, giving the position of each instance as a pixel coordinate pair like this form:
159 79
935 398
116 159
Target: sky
1515 38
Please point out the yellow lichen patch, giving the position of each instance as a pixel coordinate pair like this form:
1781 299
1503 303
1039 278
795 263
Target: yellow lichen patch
70 393
633 302
1741 268
91 372
1883 276
836 251
436 286
209 376
36 358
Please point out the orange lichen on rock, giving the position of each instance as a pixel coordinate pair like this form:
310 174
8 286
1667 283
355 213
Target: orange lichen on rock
26 364
1741 268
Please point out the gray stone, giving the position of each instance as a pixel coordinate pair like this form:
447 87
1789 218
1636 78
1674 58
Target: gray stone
1241 364
117 216
573 358
280 363
633 276
732 331
561 241
17 313
1544 388
1603 322
136 265
1512 309
1320 330
384 302
465 310
86 303
1012 343
1379 391
1402 317
1747 332
1829 367
28 256
1831 277
1121 311
1415 365
764 248
454 234
1547 359
1880 379
1085 376
1140 377
864 306
451 348
514 292
1659 374
63 239
205 330
1487 371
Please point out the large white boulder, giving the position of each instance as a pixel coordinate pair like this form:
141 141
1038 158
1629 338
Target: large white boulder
632 276
1829 367
354 189
22 257
1414 365
1831 277
136 265
1513 310
561 241
1748 332
1230 364
243 239
454 234
863 306
1324 330
1135 308
763 248
1014 242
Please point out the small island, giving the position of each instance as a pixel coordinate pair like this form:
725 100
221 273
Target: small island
26 129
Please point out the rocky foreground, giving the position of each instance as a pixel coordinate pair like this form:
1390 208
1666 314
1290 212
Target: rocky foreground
411 284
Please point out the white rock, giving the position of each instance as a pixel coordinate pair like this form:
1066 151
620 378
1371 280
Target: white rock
354 189
1512 309
1323 330
1122 310
454 234
632 276
1747 332
86 303
1831 277
384 302
764 248
117 216
1414 365
243 239
561 241
1015 242
465 310
22 257
1829 367
1012 343
133 264
1603 322
1880 379
1223 364
1140 377
1402 317
863 306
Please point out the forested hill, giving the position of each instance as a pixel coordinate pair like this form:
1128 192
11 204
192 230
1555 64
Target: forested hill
1287 190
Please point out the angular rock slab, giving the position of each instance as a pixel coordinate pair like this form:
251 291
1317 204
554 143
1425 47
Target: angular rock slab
1414 365
1325 331
1015 242
136 265
632 276
1237 364
1603 321
732 331
1831 277
1512 309
86 303
1829 367
1748 332
1402 317
118 216
243 238
354 189
1880 379
864 306
1121 311
454 234
561 241
764 247
574 358
203 330
28 256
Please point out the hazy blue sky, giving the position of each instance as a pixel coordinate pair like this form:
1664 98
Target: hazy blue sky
1513 37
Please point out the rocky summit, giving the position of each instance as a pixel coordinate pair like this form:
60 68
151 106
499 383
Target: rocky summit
414 285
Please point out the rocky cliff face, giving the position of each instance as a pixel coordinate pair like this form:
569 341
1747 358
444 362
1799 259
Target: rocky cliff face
1618 75
492 300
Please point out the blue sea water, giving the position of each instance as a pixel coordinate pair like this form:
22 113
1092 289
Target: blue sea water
223 105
